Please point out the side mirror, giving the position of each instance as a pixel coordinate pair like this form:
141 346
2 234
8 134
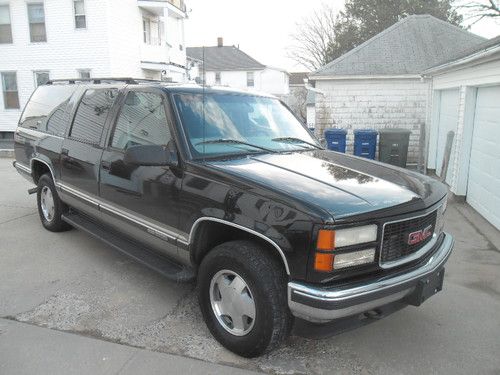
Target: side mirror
152 155
323 142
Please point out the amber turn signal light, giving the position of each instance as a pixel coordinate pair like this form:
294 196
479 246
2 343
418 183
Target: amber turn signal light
326 240
323 262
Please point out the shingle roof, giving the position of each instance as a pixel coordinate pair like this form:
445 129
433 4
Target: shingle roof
409 46
297 78
224 58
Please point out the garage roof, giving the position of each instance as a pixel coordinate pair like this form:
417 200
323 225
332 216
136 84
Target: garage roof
409 46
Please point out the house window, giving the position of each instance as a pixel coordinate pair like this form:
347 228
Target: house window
250 79
146 29
41 78
9 88
36 17
80 18
5 26
217 78
84 73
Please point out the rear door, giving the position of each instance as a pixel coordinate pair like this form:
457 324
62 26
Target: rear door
141 201
82 149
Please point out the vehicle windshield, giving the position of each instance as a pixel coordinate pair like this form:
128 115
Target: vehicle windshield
219 124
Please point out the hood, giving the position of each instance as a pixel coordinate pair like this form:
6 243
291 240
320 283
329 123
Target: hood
339 184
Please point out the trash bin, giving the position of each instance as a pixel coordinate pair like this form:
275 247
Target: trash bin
335 139
393 146
365 143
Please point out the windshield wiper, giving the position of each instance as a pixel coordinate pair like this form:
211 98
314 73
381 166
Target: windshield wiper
295 140
236 142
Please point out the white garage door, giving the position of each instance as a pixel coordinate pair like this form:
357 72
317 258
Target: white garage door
448 121
483 190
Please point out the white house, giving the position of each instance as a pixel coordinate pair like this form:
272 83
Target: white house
51 39
230 66
466 101
379 84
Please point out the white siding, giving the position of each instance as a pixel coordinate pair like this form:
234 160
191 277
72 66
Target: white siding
109 46
65 51
373 104
269 80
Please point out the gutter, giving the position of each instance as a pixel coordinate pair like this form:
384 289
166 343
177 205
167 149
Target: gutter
350 77
464 60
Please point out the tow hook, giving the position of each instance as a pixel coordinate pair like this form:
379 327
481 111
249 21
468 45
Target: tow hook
32 190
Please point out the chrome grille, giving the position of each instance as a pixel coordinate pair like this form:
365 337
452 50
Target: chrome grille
396 235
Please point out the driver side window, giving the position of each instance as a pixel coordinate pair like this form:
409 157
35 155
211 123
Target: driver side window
142 121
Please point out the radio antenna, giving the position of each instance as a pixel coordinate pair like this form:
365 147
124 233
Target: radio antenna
203 82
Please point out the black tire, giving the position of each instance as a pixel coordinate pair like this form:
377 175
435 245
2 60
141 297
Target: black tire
267 280
55 224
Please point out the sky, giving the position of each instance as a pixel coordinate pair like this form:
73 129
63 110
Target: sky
262 28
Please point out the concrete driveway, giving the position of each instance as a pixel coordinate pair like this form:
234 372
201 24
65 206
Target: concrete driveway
73 286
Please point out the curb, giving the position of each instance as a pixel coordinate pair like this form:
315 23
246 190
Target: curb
6 153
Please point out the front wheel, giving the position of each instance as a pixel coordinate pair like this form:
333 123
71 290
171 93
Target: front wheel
242 295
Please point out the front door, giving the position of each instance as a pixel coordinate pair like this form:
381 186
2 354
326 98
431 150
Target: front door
140 200
82 150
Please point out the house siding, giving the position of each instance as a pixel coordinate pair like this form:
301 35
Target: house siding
110 46
373 104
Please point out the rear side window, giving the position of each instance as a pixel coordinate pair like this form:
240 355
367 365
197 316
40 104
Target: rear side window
142 121
91 115
46 109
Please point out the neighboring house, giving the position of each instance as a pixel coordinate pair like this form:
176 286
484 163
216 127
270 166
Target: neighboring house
379 84
230 66
297 96
466 101
82 39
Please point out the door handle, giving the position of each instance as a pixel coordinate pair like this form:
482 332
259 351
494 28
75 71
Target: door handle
106 165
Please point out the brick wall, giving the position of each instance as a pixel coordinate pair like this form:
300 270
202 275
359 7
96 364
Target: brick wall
373 104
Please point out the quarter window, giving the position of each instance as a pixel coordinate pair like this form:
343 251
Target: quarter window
80 17
36 17
91 115
250 79
46 109
142 121
5 26
41 78
9 88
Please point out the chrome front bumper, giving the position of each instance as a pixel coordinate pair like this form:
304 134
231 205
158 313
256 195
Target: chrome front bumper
324 304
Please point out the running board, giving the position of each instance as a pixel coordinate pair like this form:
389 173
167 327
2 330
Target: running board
148 257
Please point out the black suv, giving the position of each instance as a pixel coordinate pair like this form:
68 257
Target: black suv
229 188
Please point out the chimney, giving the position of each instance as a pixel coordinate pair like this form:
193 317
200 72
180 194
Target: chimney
220 42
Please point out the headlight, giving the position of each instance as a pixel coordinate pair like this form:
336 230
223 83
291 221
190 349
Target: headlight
326 260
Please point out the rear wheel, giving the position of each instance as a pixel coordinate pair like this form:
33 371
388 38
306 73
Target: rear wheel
50 207
242 295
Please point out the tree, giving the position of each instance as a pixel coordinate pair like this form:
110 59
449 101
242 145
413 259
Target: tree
358 22
314 36
477 10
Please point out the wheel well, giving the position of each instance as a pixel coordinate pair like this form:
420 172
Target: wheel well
209 234
38 169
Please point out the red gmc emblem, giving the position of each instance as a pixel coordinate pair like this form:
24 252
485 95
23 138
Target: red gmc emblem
419 235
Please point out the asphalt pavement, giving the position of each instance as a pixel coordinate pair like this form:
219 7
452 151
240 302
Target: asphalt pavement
71 304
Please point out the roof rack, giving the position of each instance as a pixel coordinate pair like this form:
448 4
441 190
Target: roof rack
127 80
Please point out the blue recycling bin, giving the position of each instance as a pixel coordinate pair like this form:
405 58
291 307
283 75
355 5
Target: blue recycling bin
335 139
365 143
